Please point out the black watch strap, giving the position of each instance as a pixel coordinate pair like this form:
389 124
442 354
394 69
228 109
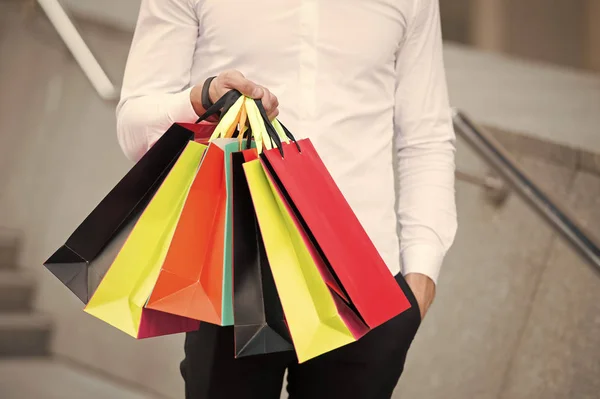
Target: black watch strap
206 102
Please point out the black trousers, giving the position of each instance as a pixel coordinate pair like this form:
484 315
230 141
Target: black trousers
367 369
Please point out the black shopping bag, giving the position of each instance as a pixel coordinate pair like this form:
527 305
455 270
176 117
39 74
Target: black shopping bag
87 254
84 259
259 323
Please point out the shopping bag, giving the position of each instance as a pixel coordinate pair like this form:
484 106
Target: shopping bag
334 229
317 319
195 280
259 323
85 257
204 130
87 254
120 298
191 282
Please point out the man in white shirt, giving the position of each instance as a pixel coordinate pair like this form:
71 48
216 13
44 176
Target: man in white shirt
365 81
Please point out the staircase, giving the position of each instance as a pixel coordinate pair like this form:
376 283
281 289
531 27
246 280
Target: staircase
25 345
23 332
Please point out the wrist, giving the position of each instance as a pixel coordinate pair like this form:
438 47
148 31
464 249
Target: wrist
421 282
423 288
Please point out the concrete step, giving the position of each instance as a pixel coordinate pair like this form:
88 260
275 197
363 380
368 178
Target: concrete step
48 379
24 334
9 249
17 290
8 266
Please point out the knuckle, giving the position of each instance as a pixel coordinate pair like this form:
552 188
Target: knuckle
230 77
226 80
268 100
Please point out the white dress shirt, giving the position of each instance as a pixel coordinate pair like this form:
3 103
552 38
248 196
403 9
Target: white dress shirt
361 78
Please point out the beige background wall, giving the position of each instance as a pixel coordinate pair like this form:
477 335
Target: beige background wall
551 31
564 32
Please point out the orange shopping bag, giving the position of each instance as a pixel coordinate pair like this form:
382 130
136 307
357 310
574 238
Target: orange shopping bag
196 278
190 283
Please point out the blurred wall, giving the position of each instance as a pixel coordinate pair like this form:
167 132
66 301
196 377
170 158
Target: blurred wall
564 32
550 31
58 157
455 17
118 13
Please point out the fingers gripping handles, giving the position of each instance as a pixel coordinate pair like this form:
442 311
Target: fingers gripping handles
224 103
235 109
271 134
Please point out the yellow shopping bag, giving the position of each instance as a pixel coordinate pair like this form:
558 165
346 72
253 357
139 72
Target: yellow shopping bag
313 312
126 287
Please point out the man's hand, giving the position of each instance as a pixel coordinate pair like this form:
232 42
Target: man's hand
230 80
423 288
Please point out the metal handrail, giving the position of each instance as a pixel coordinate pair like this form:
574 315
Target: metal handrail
560 219
77 46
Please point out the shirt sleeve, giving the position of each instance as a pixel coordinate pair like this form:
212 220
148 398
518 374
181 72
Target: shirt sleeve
425 142
156 87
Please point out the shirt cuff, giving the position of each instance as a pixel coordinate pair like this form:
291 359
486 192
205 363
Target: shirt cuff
424 259
180 109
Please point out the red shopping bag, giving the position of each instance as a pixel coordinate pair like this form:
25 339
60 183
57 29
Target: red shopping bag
335 230
202 130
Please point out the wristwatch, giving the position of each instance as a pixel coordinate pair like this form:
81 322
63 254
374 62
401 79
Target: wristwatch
205 98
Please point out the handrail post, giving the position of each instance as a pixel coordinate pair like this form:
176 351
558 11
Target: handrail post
77 46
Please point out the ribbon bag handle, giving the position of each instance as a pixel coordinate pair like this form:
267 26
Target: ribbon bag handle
224 103
259 130
280 130
275 140
229 121
243 128
275 132
233 128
